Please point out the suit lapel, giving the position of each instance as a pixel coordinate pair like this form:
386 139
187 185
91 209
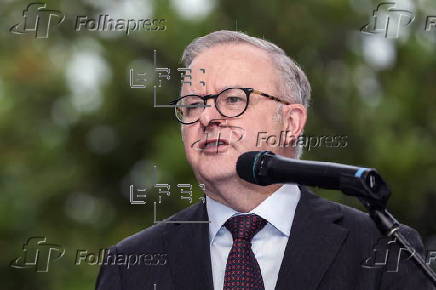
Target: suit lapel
313 243
188 250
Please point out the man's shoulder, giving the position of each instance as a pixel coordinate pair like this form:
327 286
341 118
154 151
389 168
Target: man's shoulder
356 219
361 225
358 222
153 237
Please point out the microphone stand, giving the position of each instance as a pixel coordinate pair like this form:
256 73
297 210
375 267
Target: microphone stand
368 186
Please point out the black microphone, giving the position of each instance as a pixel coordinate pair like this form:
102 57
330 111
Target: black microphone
265 168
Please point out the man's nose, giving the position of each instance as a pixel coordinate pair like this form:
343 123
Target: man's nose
210 114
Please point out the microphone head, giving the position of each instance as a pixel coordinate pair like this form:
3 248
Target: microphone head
248 166
245 166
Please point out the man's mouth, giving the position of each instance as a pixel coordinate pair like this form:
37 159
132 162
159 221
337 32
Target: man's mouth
212 144
218 141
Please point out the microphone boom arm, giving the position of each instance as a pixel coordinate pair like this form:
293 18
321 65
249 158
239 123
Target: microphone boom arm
373 193
265 168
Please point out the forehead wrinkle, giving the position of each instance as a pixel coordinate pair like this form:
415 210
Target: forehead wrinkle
241 64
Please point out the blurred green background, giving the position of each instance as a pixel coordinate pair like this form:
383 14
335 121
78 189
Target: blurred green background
74 135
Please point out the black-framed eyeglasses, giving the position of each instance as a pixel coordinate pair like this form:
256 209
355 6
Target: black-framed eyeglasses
230 103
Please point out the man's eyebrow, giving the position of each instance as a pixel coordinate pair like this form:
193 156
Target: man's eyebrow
220 89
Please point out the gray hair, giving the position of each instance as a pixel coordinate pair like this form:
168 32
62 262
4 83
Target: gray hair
294 85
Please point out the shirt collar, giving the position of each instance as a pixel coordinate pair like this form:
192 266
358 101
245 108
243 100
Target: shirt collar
278 209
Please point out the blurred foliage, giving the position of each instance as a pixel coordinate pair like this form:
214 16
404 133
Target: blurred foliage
74 135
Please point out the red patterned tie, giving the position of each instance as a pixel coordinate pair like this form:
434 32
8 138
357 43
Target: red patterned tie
242 270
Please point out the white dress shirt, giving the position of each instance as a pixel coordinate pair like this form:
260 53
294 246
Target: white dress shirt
268 244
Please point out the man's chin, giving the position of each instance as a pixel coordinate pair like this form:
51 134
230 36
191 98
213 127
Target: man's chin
216 172
215 167
217 178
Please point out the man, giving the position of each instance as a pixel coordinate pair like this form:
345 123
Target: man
273 237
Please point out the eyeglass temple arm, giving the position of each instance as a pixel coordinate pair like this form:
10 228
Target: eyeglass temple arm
271 97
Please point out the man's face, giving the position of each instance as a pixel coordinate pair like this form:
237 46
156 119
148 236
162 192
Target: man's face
214 143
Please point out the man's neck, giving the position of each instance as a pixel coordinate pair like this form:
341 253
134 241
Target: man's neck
238 194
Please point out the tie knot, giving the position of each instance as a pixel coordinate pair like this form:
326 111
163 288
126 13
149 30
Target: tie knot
245 226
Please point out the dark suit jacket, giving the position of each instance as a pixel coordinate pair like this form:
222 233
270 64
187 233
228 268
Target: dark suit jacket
327 246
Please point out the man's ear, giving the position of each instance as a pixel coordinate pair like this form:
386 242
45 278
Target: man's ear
294 120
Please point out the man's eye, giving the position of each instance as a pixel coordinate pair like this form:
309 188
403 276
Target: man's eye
193 108
234 100
194 104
